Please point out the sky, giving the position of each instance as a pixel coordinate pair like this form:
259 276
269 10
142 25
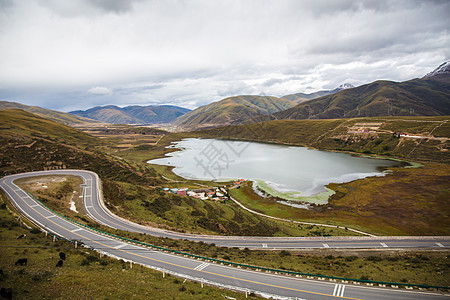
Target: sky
70 55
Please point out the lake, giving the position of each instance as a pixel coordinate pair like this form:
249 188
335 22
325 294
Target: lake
291 173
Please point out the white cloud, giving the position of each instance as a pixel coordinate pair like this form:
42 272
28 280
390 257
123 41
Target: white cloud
195 52
99 90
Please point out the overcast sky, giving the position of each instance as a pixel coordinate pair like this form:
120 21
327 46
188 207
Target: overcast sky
77 54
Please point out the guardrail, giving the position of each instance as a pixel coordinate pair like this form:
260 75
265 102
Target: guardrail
256 268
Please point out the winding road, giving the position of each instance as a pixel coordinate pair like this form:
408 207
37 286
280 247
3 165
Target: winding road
215 274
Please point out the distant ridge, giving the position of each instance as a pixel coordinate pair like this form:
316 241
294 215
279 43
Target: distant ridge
61 117
152 114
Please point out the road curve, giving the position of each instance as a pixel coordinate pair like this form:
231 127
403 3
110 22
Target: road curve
94 206
210 273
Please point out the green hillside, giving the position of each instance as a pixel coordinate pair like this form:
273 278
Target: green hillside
54 115
417 97
17 122
29 142
233 110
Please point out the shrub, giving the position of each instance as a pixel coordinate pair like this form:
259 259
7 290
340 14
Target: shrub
374 258
351 258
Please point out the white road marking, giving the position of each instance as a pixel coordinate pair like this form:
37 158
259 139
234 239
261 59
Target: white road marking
326 246
52 216
339 290
440 245
264 245
34 205
78 229
89 206
384 245
202 266
121 246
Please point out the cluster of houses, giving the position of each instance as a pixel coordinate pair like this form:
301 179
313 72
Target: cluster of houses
217 194
203 194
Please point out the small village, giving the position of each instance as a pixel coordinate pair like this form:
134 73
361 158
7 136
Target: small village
212 193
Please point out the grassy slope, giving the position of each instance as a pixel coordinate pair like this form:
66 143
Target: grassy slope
232 111
57 116
424 97
20 122
29 142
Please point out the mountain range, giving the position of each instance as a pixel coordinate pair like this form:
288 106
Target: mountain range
428 96
151 114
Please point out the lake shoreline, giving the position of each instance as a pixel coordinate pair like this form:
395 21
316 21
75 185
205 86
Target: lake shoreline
318 198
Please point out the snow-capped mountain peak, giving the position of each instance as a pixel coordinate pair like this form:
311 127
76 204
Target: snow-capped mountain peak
443 69
345 86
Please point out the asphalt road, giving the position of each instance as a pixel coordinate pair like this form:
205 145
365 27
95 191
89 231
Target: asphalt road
96 209
210 273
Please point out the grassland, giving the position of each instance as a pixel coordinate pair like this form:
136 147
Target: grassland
84 275
416 204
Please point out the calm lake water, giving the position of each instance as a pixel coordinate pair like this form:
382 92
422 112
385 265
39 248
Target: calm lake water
292 173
